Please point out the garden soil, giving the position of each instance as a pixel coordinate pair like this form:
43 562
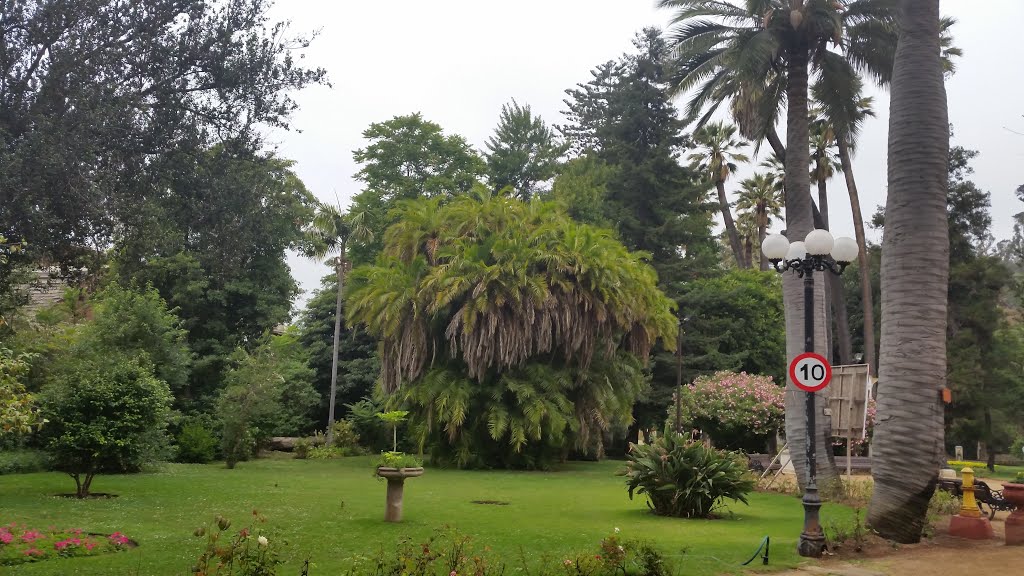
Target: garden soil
941 554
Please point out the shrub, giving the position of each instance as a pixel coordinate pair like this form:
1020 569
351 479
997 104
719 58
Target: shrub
738 411
686 479
345 437
22 461
324 452
106 414
1019 478
18 410
196 444
301 448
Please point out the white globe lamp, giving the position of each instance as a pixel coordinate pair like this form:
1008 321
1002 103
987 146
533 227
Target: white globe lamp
845 249
797 251
775 247
819 242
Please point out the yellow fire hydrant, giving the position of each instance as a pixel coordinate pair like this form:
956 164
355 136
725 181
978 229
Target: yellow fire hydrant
970 505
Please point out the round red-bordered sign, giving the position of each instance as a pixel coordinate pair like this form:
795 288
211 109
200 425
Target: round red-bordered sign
810 372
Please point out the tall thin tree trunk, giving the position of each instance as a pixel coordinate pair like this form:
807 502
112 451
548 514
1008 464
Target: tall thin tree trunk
800 221
836 294
762 231
730 226
908 438
340 271
863 266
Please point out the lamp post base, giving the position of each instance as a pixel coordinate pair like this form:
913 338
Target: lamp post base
812 539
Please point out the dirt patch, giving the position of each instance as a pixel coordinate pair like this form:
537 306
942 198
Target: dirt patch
492 502
92 496
942 554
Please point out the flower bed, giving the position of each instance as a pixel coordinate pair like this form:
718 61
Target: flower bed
19 544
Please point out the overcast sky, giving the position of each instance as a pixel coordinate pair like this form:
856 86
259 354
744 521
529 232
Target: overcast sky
458 61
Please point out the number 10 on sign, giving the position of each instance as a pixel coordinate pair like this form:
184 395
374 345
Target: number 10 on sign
810 372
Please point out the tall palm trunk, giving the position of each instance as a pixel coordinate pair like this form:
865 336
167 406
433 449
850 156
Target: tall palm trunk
867 299
339 269
908 437
730 226
762 231
836 294
800 221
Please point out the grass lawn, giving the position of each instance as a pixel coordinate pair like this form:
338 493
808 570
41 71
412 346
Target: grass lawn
1002 472
331 510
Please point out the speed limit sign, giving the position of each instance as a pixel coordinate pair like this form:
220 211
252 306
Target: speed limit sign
810 372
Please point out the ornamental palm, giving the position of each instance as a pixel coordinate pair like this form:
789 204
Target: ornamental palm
722 50
328 236
908 437
761 195
716 161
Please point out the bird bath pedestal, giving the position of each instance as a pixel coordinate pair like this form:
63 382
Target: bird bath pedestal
396 485
1015 521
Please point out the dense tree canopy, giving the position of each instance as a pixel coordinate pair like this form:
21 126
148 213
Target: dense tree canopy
510 301
95 95
523 154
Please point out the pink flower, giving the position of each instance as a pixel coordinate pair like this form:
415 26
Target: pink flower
89 545
452 573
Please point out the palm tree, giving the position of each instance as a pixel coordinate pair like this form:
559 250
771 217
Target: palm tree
328 236
716 161
761 195
722 50
908 440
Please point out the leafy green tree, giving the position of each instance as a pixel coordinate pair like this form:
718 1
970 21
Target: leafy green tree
106 413
268 392
582 190
136 321
626 119
496 291
215 247
406 158
523 154
94 95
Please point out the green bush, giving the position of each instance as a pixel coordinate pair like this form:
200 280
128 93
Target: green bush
686 479
301 448
345 437
196 444
22 461
105 414
325 452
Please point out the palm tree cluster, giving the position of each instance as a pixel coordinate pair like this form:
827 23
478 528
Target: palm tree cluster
487 297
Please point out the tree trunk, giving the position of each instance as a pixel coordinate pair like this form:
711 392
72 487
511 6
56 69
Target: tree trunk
908 438
836 294
339 268
863 266
800 221
730 226
762 231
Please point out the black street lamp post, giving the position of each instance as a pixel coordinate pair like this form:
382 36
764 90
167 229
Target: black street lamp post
818 252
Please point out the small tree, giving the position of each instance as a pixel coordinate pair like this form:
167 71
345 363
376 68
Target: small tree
106 414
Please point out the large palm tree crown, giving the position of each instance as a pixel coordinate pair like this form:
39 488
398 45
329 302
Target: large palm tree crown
761 194
718 152
725 50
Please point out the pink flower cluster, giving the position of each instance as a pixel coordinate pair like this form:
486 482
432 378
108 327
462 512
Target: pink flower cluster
735 401
22 544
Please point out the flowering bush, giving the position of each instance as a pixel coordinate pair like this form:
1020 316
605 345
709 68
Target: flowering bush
20 544
738 411
247 553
